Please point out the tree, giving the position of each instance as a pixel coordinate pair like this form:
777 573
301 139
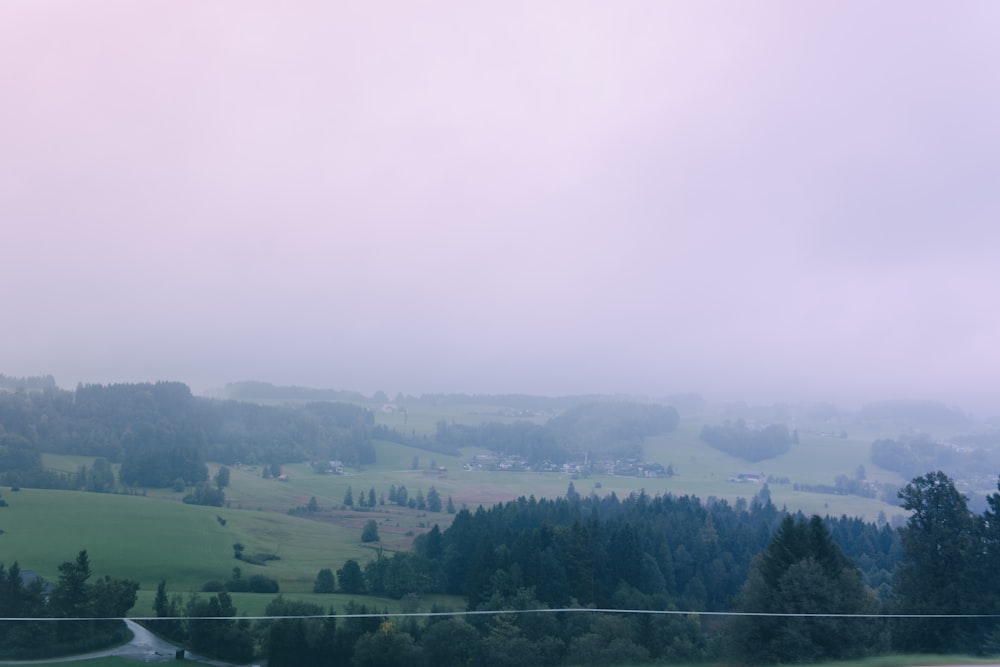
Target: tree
450 642
301 642
113 597
371 497
222 477
387 647
205 494
313 506
157 454
571 493
941 560
166 608
350 578
370 532
19 600
223 638
71 597
349 497
451 506
433 500
803 572
324 581
100 478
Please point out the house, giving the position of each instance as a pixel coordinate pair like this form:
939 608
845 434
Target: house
747 478
29 577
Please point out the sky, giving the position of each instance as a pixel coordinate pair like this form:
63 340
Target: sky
766 201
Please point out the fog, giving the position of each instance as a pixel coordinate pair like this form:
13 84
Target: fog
760 201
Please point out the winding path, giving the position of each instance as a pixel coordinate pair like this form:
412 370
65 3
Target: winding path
145 646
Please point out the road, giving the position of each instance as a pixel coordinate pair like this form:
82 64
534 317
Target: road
145 646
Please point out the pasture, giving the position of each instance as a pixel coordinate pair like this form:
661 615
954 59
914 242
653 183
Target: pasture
156 537
151 539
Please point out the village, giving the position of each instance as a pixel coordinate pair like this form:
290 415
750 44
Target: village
632 467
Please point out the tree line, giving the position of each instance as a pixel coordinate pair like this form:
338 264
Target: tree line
612 429
74 596
162 435
668 553
910 454
749 444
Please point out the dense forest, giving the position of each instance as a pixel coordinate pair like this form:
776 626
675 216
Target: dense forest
162 435
661 558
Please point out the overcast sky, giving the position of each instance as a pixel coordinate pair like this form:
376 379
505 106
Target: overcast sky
759 200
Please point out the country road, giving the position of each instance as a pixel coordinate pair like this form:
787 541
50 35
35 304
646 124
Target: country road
145 646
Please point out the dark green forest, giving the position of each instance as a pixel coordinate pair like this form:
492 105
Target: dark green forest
668 563
663 557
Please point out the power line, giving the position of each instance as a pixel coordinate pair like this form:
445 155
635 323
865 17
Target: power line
497 612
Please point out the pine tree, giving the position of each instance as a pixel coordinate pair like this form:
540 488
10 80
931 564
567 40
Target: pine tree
941 565
370 532
803 572
433 500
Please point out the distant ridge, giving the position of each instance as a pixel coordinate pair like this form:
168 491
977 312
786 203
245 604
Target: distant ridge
31 383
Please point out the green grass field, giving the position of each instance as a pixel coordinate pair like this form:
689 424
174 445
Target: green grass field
149 539
156 537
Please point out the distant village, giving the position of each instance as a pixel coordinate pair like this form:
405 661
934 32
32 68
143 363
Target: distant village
576 469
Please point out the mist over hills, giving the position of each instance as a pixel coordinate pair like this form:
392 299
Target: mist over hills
162 434
889 413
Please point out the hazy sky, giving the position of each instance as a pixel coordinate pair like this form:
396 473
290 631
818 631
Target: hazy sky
768 200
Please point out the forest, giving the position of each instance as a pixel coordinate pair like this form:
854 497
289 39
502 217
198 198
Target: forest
637 579
749 444
662 557
162 434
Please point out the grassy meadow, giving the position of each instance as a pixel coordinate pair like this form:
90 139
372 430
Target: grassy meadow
156 537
